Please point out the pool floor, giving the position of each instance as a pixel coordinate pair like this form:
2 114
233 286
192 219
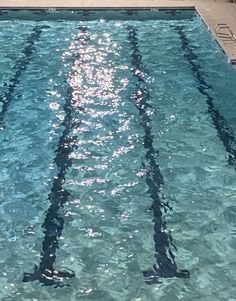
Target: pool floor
117 159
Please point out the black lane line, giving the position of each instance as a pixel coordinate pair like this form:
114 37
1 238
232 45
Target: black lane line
224 132
165 265
19 66
54 221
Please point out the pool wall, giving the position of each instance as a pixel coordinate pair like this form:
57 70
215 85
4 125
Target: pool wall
212 12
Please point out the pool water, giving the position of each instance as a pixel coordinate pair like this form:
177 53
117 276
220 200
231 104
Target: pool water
117 158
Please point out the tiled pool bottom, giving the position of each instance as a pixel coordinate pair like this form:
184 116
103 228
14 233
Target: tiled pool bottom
118 170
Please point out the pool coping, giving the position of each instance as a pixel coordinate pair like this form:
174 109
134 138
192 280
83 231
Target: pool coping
211 12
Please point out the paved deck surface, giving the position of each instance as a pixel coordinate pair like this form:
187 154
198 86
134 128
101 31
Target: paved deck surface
213 12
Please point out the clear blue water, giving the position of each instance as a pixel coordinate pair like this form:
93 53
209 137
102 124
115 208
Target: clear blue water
106 122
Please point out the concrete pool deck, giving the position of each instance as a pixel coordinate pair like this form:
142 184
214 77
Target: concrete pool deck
213 12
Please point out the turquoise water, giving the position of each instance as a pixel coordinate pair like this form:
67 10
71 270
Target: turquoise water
104 124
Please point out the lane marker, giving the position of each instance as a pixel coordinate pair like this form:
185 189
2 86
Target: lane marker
225 133
20 66
165 266
54 221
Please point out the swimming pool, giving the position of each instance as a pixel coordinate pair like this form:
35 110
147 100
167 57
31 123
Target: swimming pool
117 157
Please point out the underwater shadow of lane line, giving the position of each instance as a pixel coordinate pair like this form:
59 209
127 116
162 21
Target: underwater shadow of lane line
224 132
54 222
165 266
20 66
